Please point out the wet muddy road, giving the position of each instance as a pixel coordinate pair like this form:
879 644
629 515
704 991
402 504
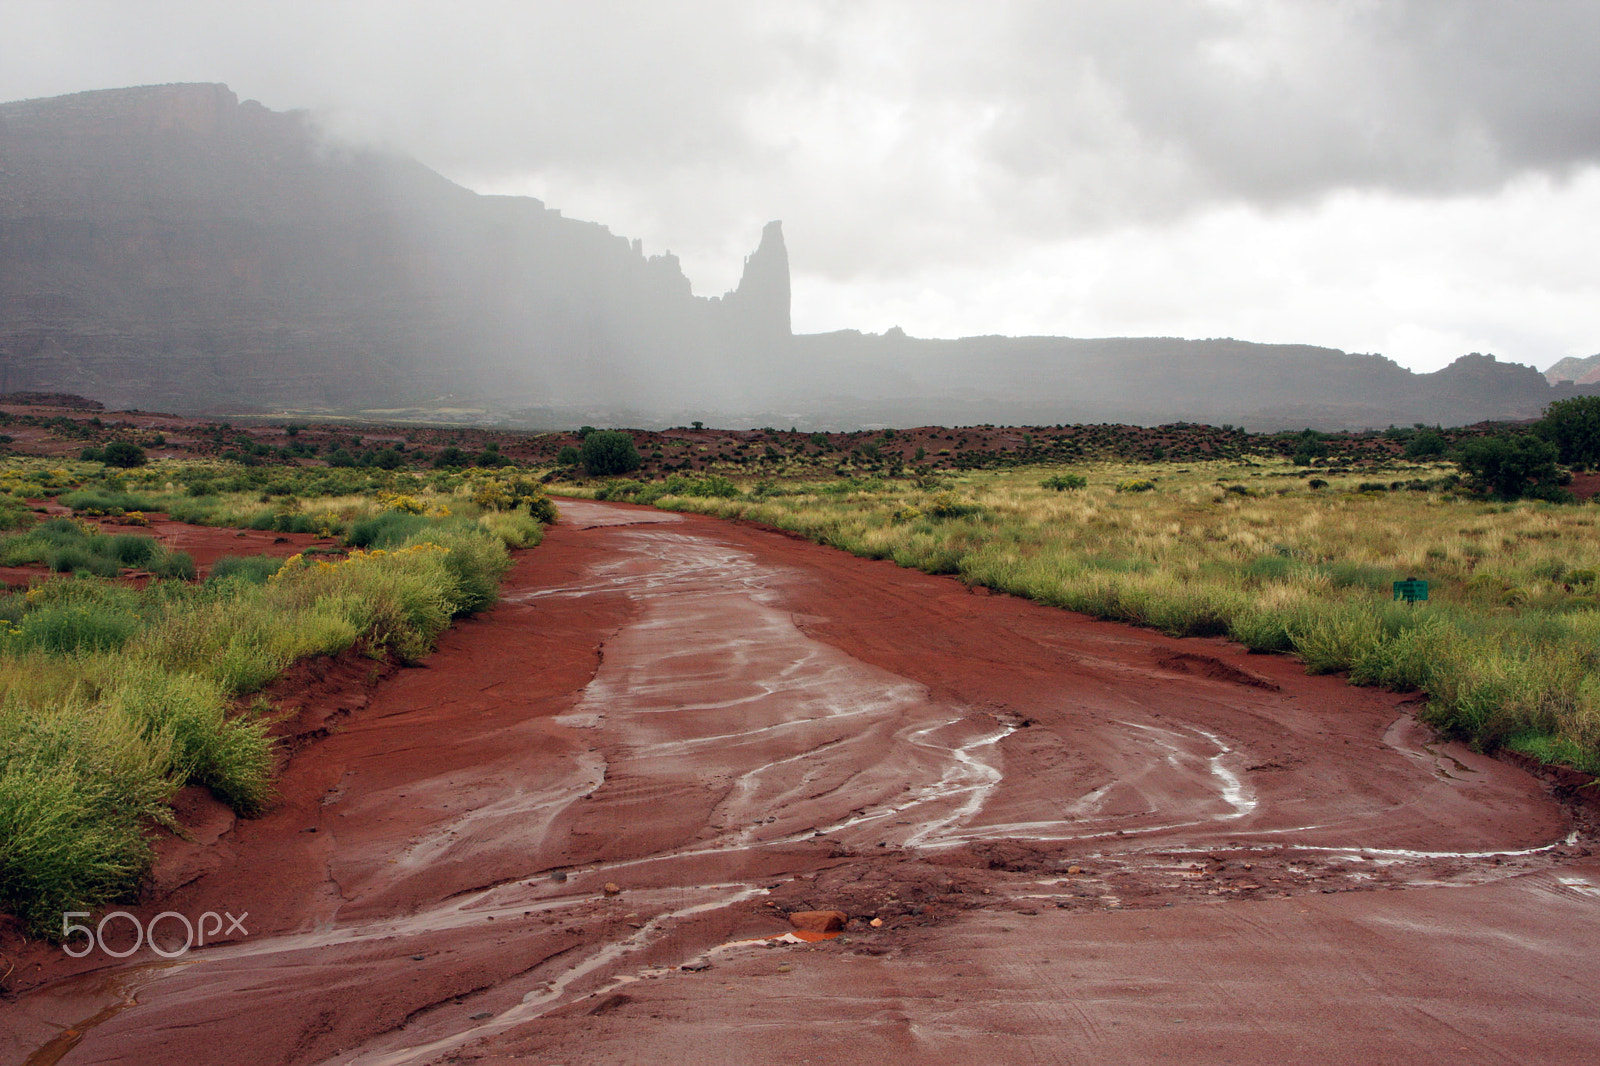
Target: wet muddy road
563 839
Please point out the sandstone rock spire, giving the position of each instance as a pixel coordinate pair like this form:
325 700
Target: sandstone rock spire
760 305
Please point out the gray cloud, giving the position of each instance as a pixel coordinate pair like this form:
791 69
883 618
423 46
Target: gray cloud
891 135
1250 99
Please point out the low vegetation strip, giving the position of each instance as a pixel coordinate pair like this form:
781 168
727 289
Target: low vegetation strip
1505 648
113 697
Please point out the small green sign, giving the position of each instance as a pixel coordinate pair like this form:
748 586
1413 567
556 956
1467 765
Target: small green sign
1411 590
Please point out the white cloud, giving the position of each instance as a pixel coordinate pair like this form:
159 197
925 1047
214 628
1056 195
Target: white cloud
1421 281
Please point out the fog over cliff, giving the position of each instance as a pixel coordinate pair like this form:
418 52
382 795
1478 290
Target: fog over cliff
170 246
1410 177
173 247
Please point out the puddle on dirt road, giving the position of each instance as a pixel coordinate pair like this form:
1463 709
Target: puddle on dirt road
117 992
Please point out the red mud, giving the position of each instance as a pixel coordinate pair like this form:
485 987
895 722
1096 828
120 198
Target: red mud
1081 842
205 544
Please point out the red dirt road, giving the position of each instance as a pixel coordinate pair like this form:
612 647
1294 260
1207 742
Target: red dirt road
1083 843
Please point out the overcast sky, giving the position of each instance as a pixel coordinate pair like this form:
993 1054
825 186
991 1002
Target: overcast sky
1417 179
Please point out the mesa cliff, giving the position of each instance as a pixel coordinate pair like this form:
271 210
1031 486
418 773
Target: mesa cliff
171 247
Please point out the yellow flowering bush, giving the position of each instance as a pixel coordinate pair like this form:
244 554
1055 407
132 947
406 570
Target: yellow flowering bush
494 496
395 501
949 505
509 495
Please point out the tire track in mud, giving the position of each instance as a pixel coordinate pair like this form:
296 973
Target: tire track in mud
730 725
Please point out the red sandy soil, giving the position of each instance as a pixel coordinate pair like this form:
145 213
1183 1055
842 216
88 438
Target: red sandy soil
1080 843
205 544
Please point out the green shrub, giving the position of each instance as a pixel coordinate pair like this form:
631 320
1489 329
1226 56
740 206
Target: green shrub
91 591
1490 698
107 501
176 566
230 756
1334 639
122 454
387 529
542 508
513 528
1270 568
509 494
254 569
1063 482
476 562
401 600
131 550
84 777
1345 575
1512 466
1552 749
618 491
713 486
14 515
1262 630
490 457
79 559
238 643
293 522
72 837
1409 653
607 452
1426 444
949 505
63 629
1573 427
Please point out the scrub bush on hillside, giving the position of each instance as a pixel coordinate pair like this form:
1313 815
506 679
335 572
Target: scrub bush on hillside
607 452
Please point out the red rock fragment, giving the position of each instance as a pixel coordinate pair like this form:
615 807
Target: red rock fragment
819 921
